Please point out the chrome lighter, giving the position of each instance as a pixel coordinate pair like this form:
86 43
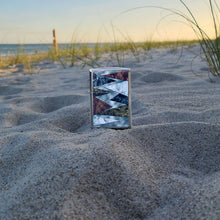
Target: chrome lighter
110 97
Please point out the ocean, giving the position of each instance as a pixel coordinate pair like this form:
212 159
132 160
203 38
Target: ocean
13 49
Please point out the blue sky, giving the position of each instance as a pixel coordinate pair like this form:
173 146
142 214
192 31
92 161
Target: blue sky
32 21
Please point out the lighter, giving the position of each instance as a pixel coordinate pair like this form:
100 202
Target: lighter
110 97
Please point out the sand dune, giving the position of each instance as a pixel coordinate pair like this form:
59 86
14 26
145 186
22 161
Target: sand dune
54 166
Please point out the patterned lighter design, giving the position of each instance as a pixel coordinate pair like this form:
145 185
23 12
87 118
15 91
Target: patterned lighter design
110 97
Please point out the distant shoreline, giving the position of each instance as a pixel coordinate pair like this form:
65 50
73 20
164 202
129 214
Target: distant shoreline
87 53
33 48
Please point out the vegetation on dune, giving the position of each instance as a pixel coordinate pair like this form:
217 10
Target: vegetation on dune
87 56
210 45
27 60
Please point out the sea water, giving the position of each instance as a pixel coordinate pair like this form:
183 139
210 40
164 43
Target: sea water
13 49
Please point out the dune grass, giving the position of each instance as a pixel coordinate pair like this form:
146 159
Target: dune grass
27 60
210 45
86 56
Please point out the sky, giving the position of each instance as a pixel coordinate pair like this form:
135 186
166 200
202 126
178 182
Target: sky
32 21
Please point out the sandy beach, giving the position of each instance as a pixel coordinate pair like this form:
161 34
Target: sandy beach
167 166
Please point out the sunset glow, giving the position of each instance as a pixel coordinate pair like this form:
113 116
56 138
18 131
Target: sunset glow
90 21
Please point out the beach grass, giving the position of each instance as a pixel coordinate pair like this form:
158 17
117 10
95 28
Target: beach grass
27 60
86 55
210 47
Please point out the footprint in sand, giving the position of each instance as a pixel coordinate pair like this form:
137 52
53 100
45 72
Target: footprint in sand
16 118
9 90
72 119
51 104
156 77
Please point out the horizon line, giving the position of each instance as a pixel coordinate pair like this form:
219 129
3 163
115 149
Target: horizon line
154 41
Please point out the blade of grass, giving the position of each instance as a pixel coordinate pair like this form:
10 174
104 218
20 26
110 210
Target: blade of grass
210 47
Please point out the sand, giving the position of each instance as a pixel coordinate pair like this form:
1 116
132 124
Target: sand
167 166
